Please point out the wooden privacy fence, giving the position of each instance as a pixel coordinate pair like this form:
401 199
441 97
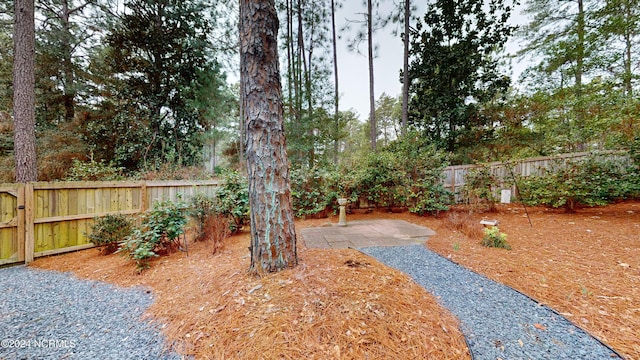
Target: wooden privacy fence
39 219
454 176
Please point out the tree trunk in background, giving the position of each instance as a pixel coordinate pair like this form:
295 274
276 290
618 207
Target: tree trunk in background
273 236
24 115
69 95
372 98
336 96
405 69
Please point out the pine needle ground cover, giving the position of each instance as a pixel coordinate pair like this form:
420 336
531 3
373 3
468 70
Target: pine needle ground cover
585 265
337 304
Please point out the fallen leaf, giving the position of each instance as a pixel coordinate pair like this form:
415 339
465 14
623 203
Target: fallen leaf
540 327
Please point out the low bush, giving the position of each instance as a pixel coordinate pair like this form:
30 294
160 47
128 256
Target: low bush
210 223
464 223
158 234
313 191
94 171
216 228
594 181
479 189
406 173
109 230
201 208
494 238
233 200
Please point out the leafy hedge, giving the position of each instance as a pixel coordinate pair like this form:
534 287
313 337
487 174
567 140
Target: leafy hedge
404 174
591 182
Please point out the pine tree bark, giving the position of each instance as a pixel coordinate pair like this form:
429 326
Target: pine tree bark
24 117
372 98
273 236
405 68
336 95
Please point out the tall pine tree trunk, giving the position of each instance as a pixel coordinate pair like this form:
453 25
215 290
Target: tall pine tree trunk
69 95
405 68
24 92
336 96
372 99
273 236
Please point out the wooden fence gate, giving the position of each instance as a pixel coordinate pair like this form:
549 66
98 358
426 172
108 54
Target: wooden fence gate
11 224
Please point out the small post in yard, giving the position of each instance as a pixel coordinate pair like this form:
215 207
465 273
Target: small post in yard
342 221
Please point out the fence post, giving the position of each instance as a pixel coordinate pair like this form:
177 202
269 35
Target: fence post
143 194
29 236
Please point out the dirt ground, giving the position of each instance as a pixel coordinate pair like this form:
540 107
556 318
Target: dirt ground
340 304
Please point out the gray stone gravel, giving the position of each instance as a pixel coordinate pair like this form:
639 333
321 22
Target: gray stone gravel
497 321
52 315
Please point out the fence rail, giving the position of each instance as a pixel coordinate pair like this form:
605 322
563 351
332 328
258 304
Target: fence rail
39 219
454 176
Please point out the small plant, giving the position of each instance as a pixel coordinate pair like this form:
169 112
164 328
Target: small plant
202 207
456 246
210 224
158 234
464 223
108 231
478 190
585 292
494 238
233 200
217 229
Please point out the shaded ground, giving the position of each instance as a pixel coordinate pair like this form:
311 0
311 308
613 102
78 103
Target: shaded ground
343 305
337 304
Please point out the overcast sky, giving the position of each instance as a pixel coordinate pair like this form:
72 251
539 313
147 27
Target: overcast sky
354 71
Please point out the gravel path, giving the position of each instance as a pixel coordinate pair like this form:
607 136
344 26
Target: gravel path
497 321
52 315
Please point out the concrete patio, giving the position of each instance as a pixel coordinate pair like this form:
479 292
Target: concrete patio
361 234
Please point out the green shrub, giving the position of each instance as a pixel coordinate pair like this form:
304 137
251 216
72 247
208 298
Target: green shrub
201 208
594 181
406 173
159 233
494 238
233 200
479 188
430 198
94 171
313 191
109 230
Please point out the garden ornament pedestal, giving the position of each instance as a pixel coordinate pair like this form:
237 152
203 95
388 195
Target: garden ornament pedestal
342 221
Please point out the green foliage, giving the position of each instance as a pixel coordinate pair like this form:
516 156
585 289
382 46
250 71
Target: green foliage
406 173
479 188
159 233
313 191
94 171
233 200
109 230
494 238
162 68
454 70
201 208
593 182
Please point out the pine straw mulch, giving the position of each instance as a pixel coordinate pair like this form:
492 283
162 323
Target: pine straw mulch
585 265
341 304
336 304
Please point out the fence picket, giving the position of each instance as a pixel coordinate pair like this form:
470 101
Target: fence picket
52 218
